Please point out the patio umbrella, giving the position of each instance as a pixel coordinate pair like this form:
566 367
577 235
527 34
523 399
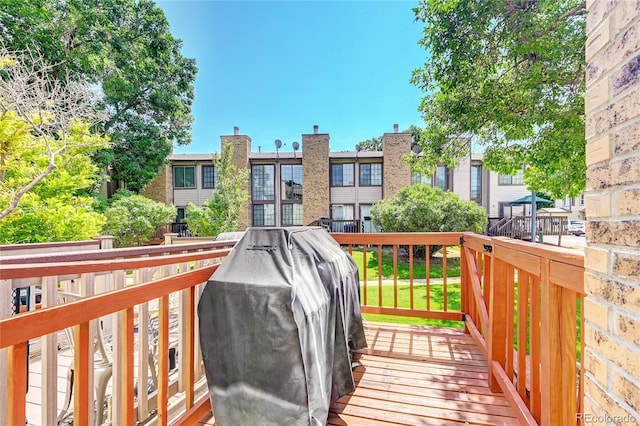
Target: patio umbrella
527 200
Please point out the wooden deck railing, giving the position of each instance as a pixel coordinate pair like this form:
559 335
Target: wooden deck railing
518 300
524 308
115 286
521 302
380 294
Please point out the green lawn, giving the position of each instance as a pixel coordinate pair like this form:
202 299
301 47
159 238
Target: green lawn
419 302
436 303
419 265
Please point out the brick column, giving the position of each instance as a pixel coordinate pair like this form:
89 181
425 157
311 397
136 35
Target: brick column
396 173
315 176
241 151
612 256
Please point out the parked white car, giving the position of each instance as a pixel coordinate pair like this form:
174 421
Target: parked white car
576 227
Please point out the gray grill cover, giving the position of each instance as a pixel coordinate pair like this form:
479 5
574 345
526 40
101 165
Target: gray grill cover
277 321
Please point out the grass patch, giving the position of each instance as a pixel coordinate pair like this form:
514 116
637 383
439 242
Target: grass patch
419 265
436 302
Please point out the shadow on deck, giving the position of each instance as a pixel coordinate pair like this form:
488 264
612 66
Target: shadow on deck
414 375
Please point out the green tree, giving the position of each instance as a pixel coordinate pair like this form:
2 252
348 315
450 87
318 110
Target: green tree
41 120
123 47
422 208
508 76
373 144
46 173
133 219
57 205
221 212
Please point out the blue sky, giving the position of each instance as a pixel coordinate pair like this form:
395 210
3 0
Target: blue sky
276 68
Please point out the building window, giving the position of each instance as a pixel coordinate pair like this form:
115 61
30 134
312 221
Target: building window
439 179
476 183
184 177
371 174
262 182
291 181
517 179
343 215
181 214
291 214
264 215
209 177
420 178
342 174
582 199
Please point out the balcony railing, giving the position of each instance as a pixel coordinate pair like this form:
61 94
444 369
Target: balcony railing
520 301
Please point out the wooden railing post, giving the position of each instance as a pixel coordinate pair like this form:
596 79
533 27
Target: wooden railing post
106 241
497 319
168 238
465 279
557 348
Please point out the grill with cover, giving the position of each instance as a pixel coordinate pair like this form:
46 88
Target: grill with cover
278 321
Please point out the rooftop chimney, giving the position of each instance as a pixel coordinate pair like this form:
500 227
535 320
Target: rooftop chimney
236 130
395 128
315 129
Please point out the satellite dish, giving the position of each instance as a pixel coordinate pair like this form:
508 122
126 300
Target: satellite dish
295 145
278 143
417 149
358 147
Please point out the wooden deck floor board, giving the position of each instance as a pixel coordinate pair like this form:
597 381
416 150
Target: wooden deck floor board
414 375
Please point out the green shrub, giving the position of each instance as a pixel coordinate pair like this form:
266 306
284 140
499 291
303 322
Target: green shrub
422 208
133 219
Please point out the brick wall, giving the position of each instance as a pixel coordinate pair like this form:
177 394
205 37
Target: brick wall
161 188
612 256
396 172
315 177
241 150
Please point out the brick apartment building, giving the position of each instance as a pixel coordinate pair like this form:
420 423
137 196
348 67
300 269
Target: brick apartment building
312 182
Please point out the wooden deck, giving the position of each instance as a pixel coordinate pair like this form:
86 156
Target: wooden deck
412 375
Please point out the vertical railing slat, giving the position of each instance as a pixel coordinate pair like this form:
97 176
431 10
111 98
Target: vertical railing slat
411 276
364 273
510 323
187 358
49 357
487 261
87 289
427 267
16 383
379 274
445 291
550 378
535 348
182 330
498 321
117 405
523 326
128 371
144 346
567 321
395 276
466 293
163 360
6 291
83 358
